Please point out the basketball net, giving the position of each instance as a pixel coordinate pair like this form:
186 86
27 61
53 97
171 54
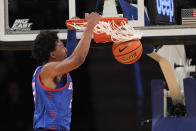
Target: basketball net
119 32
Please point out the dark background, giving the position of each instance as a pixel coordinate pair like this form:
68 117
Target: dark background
105 93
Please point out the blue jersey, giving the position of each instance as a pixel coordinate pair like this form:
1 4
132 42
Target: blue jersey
52 106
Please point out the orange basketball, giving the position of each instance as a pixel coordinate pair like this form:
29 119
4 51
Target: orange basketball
127 52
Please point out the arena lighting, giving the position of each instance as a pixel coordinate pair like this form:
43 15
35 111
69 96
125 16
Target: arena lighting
166 7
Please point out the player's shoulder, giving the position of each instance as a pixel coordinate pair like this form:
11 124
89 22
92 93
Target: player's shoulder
50 65
48 71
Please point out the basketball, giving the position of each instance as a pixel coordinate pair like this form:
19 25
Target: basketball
127 52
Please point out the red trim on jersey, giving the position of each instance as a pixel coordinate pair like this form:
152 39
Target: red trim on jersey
52 121
48 89
52 124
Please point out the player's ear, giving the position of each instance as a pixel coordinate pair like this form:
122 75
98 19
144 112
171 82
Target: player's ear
53 55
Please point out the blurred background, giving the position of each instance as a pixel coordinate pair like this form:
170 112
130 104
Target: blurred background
105 97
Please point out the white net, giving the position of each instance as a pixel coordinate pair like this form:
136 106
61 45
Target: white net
124 32
119 33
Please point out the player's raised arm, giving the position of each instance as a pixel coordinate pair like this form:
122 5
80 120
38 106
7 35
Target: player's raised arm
57 65
79 54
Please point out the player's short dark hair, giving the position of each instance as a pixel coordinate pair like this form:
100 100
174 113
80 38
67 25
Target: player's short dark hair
44 43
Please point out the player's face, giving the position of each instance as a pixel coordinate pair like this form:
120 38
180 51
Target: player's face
60 51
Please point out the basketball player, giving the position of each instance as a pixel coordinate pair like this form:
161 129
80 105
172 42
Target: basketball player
52 83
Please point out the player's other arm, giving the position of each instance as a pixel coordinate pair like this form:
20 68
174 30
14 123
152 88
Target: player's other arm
71 40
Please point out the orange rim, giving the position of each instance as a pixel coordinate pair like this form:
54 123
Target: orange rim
82 22
98 38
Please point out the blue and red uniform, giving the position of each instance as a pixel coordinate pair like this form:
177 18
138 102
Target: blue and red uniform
52 106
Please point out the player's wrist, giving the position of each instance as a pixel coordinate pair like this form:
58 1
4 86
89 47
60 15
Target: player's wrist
90 27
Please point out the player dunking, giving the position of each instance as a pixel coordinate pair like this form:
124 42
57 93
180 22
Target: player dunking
52 83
